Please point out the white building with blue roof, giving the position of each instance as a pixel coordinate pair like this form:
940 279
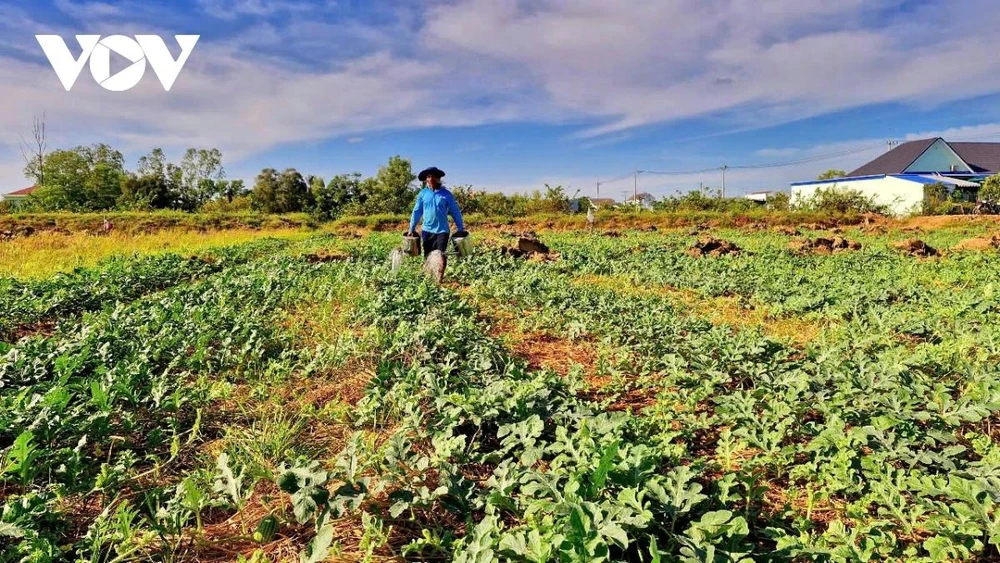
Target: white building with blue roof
899 177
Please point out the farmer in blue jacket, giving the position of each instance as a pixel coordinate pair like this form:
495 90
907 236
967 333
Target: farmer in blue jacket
434 204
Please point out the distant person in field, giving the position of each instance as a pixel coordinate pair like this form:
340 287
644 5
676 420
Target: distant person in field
434 204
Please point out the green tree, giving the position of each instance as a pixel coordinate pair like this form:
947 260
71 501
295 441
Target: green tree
153 164
315 182
556 198
831 174
496 204
150 187
392 190
85 178
293 192
990 189
144 192
467 198
201 172
232 189
341 194
265 190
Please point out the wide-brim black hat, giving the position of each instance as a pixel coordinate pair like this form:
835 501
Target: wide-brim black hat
432 171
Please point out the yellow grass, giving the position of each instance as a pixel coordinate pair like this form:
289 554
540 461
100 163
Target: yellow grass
46 253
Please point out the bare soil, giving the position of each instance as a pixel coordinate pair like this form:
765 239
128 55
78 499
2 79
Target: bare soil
916 247
711 246
823 245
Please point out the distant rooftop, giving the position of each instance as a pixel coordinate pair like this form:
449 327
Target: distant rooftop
23 191
640 195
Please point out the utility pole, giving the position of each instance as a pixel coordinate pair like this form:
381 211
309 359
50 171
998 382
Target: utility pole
724 167
598 191
635 188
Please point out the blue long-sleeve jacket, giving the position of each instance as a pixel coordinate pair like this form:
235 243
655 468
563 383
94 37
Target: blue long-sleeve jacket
435 206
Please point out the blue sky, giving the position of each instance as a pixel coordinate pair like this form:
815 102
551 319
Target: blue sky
509 95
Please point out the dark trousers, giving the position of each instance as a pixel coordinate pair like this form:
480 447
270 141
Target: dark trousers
435 241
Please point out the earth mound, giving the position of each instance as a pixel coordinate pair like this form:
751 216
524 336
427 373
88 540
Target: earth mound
710 246
916 247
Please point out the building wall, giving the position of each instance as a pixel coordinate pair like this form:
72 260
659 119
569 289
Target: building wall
938 158
902 196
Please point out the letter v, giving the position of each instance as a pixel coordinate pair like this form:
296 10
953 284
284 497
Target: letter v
67 68
164 65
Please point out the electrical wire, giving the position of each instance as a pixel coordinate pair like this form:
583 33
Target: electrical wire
779 164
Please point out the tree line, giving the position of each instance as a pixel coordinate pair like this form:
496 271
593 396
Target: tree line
95 178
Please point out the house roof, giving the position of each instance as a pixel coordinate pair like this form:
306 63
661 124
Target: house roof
602 201
926 179
981 157
23 192
937 178
640 195
896 160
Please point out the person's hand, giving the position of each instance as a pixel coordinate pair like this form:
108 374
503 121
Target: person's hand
411 234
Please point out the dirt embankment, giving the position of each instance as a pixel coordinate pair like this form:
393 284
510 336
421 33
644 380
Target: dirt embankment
25 225
608 223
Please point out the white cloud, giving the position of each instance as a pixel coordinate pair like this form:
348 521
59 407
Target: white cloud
635 64
982 132
780 153
86 10
844 155
231 9
467 62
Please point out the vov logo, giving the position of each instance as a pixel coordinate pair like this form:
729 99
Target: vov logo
139 51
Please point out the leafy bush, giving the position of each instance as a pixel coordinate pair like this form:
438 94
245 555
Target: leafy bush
702 201
241 204
831 174
841 200
990 189
939 200
780 201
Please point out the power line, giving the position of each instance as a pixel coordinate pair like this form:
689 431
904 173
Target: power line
682 172
724 168
962 138
613 180
809 159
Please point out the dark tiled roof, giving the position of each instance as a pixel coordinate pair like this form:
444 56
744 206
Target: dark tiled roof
896 160
24 191
982 157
